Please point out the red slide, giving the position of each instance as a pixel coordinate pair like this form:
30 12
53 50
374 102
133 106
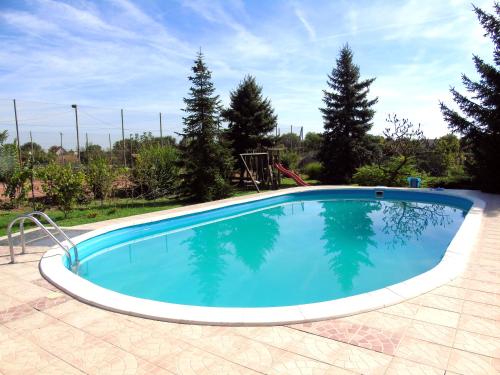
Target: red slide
291 174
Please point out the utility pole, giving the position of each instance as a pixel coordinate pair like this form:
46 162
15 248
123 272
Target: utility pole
130 150
61 148
31 140
86 141
109 139
77 132
123 141
17 134
161 132
32 178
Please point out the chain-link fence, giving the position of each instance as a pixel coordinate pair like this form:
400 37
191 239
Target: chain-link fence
71 129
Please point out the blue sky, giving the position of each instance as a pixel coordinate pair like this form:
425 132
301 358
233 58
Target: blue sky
137 55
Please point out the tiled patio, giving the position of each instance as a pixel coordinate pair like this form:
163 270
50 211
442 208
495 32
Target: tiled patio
454 329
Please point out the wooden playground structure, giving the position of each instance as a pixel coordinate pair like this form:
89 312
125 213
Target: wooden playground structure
264 169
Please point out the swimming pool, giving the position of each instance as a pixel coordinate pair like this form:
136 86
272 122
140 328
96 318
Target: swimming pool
297 255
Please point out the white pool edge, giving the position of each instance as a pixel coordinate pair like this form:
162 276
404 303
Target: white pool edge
452 265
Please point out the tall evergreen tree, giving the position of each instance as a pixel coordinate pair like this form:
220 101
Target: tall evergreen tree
251 118
480 122
206 162
347 117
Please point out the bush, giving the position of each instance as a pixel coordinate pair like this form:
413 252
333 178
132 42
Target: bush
62 185
313 170
156 170
290 159
100 177
390 173
12 175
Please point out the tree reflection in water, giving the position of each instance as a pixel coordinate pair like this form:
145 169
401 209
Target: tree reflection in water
248 237
404 221
348 232
208 249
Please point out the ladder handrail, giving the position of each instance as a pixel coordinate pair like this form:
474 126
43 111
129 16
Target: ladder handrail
58 228
32 218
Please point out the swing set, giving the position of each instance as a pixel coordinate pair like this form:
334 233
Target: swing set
264 169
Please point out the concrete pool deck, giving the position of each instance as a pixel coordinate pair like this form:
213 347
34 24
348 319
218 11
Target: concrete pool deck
454 329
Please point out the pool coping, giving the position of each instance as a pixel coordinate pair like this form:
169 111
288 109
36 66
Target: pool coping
452 265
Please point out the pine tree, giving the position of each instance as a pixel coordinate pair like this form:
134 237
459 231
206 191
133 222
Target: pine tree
347 117
480 122
206 162
251 118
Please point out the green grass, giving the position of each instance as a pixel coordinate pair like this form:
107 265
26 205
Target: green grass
113 209
94 212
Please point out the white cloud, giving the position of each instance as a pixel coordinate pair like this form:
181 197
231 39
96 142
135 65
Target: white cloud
310 30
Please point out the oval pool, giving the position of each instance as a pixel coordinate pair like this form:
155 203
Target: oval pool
303 248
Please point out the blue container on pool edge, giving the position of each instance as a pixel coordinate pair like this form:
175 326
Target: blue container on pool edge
414 182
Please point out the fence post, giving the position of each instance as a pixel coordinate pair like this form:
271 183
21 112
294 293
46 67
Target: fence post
161 132
17 134
61 149
77 132
123 141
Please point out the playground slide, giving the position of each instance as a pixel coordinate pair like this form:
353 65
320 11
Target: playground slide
291 174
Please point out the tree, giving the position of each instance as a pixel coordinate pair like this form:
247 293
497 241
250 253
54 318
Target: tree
251 118
347 118
289 140
62 184
100 177
206 162
312 141
444 157
479 120
91 152
34 152
403 143
156 170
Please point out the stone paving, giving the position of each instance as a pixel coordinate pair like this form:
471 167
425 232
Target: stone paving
454 329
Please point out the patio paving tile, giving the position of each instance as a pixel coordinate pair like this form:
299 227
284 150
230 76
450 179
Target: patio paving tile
292 340
437 316
441 302
466 363
362 360
479 325
481 310
434 333
400 366
477 343
423 352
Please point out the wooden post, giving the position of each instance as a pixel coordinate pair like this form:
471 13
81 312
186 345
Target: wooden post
17 134
31 174
123 141
248 171
161 132
77 132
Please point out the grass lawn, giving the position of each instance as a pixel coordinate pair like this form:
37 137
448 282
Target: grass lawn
111 209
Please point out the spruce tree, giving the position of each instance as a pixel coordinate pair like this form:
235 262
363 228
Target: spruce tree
206 162
480 122
347 117
250 119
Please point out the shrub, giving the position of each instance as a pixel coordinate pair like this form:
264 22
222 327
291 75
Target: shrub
391 173
156 170
100 177
369 175
12 175
62 185
313 170
290 159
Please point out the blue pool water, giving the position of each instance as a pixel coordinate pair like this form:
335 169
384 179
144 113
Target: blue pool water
293 249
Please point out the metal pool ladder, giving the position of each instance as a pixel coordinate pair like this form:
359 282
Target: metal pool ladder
32 216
